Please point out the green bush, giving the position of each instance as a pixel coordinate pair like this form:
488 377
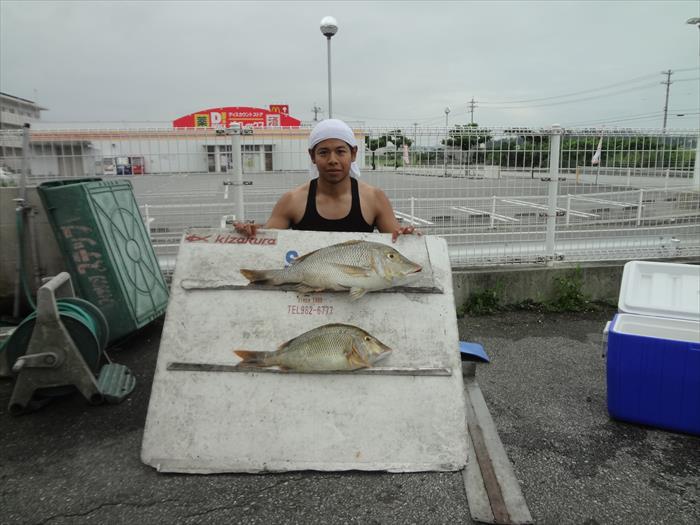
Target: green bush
569 296
483 302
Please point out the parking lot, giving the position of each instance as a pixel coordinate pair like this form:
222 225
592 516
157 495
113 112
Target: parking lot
545 387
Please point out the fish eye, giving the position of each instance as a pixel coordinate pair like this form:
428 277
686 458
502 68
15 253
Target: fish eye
368 338
390 255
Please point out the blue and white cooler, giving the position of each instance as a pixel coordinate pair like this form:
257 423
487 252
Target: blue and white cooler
653 347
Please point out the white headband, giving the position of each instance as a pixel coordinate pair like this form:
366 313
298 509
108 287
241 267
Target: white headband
332 128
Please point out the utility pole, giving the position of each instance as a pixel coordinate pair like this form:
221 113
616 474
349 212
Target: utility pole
316 109
668 85
472 105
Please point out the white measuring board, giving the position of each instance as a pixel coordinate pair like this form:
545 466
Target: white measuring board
217 421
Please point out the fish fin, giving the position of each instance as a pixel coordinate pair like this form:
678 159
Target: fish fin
349 243
355 358
297 260
250 359
255 276
305 288
356 271
356 293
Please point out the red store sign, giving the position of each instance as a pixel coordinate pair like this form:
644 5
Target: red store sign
276 116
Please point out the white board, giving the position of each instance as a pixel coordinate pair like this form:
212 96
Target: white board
203 422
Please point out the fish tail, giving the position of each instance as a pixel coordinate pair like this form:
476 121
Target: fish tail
251 359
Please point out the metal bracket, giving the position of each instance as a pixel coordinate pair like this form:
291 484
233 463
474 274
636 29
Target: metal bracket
40 360
377 371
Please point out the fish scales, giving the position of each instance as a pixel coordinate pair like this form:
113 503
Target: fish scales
329 347
357 266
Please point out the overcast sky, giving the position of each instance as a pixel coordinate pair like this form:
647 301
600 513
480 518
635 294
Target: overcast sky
525 63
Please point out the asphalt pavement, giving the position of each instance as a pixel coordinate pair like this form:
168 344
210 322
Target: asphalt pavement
545 386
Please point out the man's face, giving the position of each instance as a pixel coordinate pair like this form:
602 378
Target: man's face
333 158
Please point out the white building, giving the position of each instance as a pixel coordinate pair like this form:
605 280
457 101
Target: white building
15 112
77 153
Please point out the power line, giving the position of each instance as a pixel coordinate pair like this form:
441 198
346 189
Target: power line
621 118
644 86
413 119
631 81
651 116
514 104
634 116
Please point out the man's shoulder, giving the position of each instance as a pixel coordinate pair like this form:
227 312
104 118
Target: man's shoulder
367 190
300 191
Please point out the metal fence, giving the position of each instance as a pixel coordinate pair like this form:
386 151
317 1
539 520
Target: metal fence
497 195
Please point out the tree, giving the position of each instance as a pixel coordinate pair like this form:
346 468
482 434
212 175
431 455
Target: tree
467 136
374 145
395 136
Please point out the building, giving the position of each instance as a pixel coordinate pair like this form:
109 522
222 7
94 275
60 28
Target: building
186 151
15 112
199 143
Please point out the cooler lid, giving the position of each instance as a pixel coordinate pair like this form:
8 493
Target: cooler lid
661 289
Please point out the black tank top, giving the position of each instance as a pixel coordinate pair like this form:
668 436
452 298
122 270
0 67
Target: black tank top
352 222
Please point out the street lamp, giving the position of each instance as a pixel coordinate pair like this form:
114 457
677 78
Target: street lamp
695 21
696 171
329 27
444 151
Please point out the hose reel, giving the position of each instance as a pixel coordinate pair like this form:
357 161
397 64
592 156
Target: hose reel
60 348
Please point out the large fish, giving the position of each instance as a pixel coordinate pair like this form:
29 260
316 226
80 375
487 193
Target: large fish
358 266
328 347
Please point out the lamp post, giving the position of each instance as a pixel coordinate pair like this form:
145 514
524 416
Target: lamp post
329 27
695 21
444 151
696 170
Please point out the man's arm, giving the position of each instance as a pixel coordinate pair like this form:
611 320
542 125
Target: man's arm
386 220
280 218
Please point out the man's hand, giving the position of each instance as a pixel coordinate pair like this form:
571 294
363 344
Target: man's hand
404 230
249 229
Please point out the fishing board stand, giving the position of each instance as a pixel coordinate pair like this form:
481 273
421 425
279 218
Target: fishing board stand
406 414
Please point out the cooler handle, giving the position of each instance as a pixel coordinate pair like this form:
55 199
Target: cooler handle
604 344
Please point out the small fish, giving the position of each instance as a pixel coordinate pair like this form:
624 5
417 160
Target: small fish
358 266
329 347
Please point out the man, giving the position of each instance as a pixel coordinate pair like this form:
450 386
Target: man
334 201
